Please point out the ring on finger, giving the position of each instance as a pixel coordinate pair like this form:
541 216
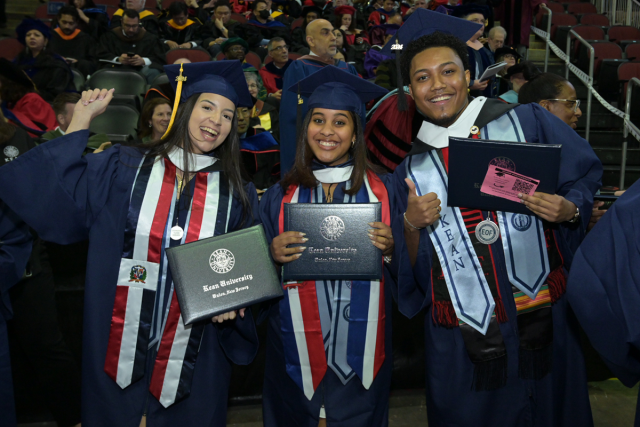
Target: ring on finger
439 209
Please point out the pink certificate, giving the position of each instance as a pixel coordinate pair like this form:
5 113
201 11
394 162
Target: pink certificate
507 184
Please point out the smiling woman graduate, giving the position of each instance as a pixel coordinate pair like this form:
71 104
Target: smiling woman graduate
340 368
139 359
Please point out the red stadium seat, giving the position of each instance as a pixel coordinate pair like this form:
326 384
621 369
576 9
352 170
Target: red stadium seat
111 10
594 19
577 8
10 48
632 51
238 17
297 23
292 55
151 5
251 58
587 32
193 55
114 3
561 19
604 50
623 32
567 2
626 72
555 8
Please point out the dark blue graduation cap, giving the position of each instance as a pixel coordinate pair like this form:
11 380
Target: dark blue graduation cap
335 89
423 22
224 78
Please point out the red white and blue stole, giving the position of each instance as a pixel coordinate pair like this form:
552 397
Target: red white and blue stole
522 237
344 319
144 288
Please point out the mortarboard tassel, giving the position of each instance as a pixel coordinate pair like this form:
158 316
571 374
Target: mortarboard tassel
299 114
402 97
180 79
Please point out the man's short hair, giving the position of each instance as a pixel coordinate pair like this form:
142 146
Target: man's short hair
274 40
220 4
130 13
60 102
255 4
178 7
497 29
437 39
69 10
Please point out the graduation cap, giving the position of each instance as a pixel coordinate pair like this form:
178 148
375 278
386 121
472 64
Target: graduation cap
232 42
502 51
335 89
344 10
224 78
469 8
421 23
29 24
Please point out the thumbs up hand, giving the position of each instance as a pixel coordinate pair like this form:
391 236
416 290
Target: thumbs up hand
422 211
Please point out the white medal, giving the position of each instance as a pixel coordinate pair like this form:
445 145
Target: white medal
487 232
176 232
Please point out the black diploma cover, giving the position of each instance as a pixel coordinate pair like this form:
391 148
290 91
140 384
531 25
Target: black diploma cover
338 247
223 273
469 161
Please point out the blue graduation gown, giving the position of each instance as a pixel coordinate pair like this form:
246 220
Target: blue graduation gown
561 397
297 71
349 405
67 197
15 250
604 287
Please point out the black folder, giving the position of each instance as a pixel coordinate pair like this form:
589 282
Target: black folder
338 246
223 273
469 161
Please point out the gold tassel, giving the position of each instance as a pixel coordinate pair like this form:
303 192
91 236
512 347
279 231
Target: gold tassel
180 79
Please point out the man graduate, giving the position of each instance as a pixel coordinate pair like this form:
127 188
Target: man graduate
148 20
322 42
74 45
604 287
500 344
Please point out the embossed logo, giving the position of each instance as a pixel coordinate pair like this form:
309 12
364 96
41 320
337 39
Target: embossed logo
222 261
503 162
346 313
487 232
332 228
521 222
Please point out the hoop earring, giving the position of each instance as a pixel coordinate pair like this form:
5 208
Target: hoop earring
353 143
150 125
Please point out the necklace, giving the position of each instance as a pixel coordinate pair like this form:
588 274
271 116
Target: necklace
329 193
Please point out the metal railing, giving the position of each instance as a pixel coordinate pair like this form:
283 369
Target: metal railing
620 12
590 82
547 40
625 132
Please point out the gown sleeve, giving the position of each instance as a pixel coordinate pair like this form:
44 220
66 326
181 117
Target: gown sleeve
604 287
239 338
56 190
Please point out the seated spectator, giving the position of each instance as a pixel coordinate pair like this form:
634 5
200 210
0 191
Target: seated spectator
132 47
345 20
341 45
381 15
180 31
147 19
154 120
517 76
236 48
260 152
21 103
63 107
93 21
75 46
48 71
555 94
273 72
240 6
269 27
380 34
298 35
496 38
254 84
511 57
219 28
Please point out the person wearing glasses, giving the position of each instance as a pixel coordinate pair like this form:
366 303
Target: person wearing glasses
555 94
273 72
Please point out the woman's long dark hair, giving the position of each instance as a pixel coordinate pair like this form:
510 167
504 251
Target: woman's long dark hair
301 172
228 153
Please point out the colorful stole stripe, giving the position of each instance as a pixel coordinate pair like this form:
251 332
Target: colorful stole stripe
306 361
152 199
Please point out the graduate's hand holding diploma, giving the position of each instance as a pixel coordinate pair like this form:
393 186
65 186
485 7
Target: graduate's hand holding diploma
551 207
91 105
279 250
422 211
